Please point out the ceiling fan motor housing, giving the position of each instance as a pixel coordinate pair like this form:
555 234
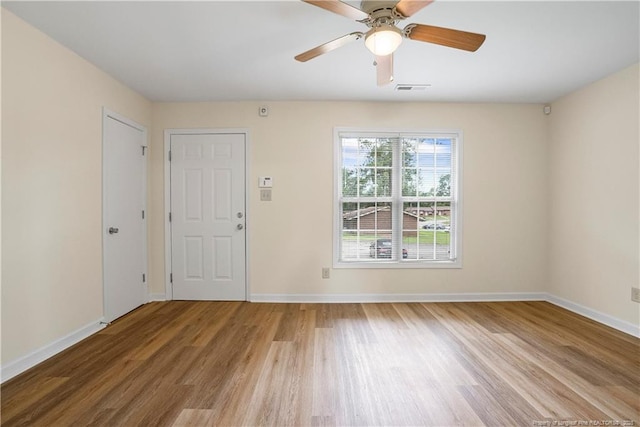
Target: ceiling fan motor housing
380 13
370 6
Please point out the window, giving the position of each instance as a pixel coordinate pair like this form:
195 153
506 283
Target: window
397 199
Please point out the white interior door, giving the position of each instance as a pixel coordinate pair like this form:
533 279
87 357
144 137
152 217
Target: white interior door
208 216
124 231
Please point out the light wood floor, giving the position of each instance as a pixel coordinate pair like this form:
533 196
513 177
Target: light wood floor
228 363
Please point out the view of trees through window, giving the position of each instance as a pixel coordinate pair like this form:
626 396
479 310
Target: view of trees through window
397 197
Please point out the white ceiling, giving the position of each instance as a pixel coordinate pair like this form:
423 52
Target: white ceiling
535 51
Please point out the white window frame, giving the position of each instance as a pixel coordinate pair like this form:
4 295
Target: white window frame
456 234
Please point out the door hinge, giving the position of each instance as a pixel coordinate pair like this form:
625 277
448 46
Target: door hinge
171 277
144 278
144 147
143 214
169 155
169 216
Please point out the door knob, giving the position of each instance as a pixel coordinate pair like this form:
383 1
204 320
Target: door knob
240 227
113 230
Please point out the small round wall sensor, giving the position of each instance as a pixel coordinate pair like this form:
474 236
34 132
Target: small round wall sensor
263 111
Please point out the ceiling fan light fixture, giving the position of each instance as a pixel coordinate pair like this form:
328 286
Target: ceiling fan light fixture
383 40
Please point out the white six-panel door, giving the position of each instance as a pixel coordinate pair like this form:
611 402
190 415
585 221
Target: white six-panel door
208 216
123 226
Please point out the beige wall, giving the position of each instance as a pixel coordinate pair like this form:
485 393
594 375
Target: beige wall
594 256
51 186
505 190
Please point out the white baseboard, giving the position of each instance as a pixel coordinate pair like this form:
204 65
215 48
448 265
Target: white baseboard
20 365
372 298
157 297
605 319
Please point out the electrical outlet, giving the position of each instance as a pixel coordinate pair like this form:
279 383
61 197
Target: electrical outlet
635 294
326 273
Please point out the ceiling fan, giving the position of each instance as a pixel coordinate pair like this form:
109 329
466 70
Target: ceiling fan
384 37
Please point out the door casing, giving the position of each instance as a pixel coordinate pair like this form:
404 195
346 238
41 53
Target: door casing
167 199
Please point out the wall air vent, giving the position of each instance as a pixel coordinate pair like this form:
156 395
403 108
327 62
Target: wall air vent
410 88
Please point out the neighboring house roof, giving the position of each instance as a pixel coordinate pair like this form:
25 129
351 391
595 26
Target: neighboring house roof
428 209
359 213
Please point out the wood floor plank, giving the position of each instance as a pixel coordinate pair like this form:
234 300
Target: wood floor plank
271 399
195 418
29 396
485 405
161 337
615 409
324 400
482 369
213 321
475 338
79 407
230 402
544 394
183 363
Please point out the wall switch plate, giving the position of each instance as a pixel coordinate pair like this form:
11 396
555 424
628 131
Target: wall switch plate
635 294
265 182
265 195
326 273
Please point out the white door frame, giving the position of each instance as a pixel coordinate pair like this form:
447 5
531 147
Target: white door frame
106 114
167 199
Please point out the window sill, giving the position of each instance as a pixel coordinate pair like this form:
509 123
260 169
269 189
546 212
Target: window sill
457 264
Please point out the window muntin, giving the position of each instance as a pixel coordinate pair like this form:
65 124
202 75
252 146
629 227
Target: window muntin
397 198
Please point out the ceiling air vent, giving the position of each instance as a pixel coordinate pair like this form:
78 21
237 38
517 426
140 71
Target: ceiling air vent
409 88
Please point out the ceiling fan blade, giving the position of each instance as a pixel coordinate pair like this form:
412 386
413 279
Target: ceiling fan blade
407 8
329 46
336 6
384 69
445 36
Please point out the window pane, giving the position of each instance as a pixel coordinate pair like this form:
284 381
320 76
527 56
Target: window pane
427 187
381 247
409 182
410 230
443 187
350 216
443 152
443 215
368 217
383 182
384 153
410 217
426 149
349 245
366 231
426 237
409 151
367 152
349 152
356 247
367 181
349 182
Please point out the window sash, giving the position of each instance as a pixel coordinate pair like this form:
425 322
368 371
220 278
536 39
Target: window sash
372 195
